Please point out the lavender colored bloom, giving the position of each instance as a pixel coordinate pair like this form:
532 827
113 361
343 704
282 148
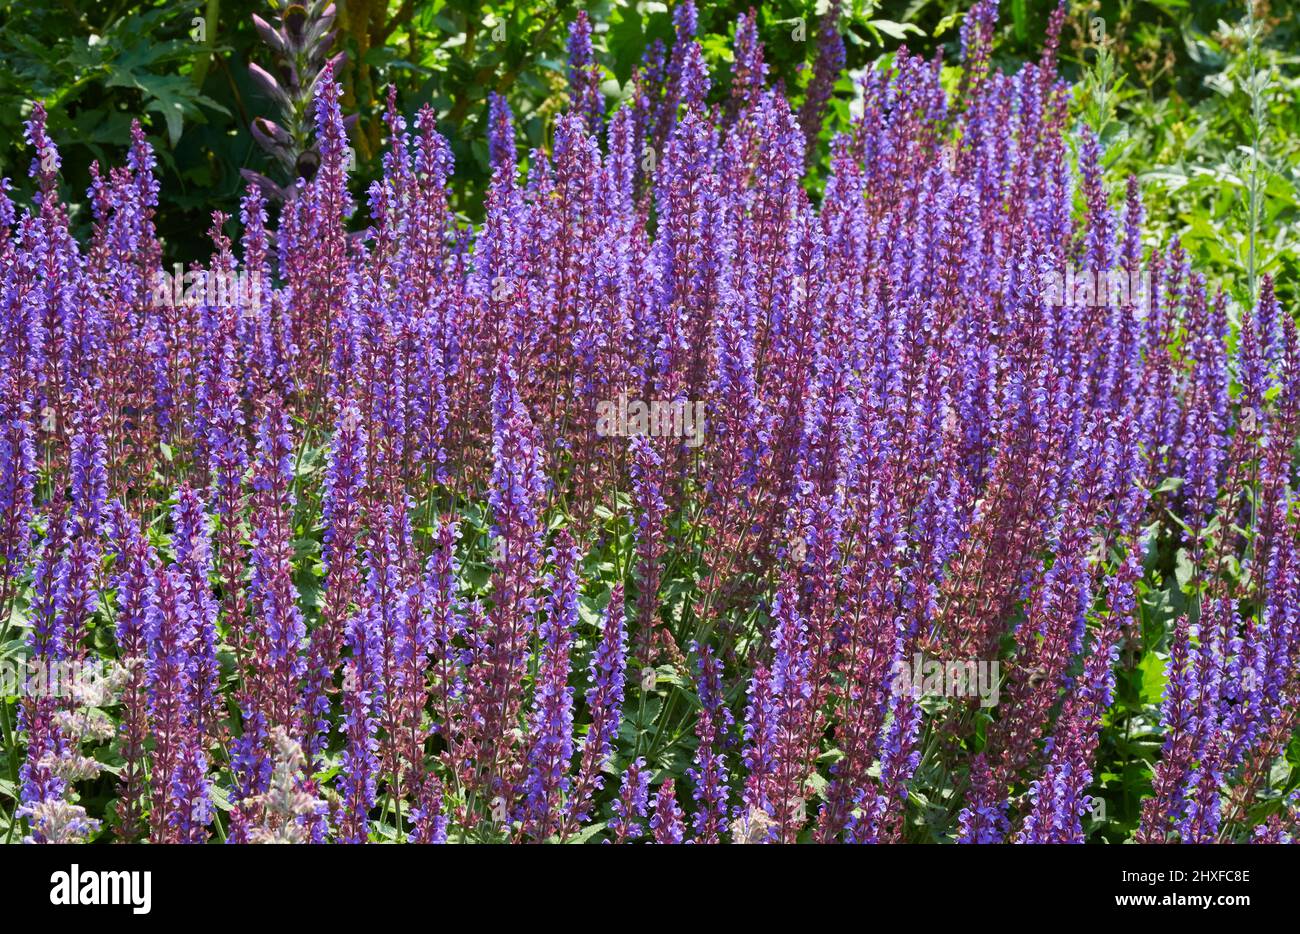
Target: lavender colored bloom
281 630
709 775
17 490
830 62
169 680
89 479
343 500
1059 798
584 75
501 138
362 693
929 435
551 733
666 820
631 803
517 488
984 819
791 711
192 544
652 637
683 73
192 791
133 580
760 743
604 704
428 823
1178 720
749 71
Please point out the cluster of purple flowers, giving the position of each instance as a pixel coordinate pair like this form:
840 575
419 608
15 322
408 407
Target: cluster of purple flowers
370 571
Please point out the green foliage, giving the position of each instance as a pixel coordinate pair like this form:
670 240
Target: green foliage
1199 102
96 66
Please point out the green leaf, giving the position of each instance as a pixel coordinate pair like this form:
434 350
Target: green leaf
221 798
1169 485
1152 668
585 835
625 41
899 31
947 23
1020 19
1184 570
589 610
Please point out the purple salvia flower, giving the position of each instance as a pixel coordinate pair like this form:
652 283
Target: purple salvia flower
984 818
710 772
829 64
1058 798
760 743
584 76
604 705
280 630
171 633
749 71
791 711
342 499
445 624
133 581
882 812
362 693
501 139
89 478
227 462
1178 724
666 821
192 545
1217 666
977 44
686 52
40 782
517 490
651 520
1268 311
192 792
78 594
251 768
393 596
428 823
551 728
1203 432
17 491
693 89
1099 225
632 803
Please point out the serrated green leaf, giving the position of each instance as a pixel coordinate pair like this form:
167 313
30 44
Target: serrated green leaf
585 835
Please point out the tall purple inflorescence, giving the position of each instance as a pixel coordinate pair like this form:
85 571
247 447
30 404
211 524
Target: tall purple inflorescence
893 454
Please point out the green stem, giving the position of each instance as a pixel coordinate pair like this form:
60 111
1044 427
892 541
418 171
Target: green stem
200 72
1257 122
11 756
